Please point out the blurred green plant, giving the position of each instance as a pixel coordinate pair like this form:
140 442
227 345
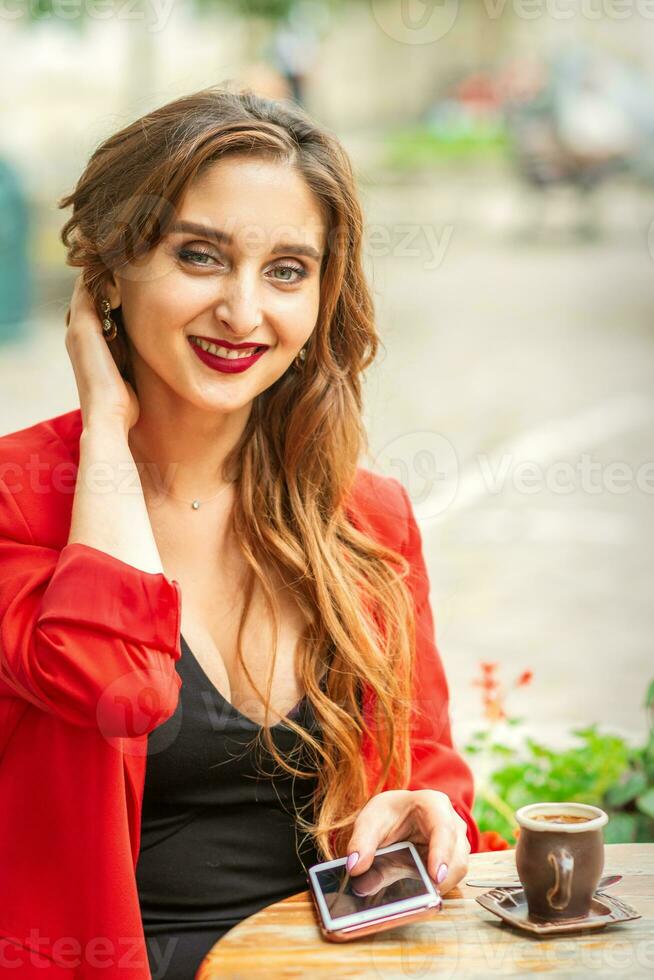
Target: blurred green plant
601 769
272 10
419 146
36 11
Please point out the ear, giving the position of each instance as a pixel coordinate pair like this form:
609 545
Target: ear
111 290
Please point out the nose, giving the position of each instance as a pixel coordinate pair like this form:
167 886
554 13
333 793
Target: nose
238 309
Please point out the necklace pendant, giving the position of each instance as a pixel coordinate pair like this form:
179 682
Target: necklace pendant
195 504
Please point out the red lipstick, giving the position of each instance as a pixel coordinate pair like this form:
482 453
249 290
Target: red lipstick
227 365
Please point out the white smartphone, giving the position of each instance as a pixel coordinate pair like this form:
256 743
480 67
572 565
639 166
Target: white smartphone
395 890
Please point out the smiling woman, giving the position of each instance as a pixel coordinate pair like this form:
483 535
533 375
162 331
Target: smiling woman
253 282
243 651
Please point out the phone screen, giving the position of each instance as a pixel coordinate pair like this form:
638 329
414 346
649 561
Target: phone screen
393 877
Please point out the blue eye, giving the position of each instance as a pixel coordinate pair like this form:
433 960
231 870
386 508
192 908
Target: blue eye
299 271
185 253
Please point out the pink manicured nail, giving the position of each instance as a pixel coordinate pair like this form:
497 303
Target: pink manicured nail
351 861
441 874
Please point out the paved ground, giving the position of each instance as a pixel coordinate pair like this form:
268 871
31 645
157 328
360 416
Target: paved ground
511 353
501 349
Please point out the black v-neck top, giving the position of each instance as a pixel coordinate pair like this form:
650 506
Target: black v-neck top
218 831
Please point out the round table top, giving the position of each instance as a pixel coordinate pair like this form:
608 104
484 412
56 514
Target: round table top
462 940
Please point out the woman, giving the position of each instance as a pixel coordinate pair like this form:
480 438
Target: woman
215 625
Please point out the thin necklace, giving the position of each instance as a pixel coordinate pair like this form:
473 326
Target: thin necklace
195 504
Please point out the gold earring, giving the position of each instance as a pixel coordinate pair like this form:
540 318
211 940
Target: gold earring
300 358
109 327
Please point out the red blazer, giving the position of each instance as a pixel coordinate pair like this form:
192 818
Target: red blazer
88 646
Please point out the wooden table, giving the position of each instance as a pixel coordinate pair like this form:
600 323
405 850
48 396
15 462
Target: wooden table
463 940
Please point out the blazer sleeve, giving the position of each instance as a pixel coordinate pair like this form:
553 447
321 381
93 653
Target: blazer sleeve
84 636
436 763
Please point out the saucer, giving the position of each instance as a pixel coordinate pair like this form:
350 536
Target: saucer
510 905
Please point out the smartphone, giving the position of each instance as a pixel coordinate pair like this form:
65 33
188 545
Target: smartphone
395 890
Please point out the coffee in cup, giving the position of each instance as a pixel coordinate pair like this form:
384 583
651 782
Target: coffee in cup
560 818
560 858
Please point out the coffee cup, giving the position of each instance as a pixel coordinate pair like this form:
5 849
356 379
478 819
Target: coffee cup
560 858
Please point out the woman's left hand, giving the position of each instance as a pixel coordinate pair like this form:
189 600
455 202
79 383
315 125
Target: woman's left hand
427 818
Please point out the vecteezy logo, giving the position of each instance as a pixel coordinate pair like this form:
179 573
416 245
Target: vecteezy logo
131 708
415 21
426 465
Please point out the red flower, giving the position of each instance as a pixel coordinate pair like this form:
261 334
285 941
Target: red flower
488 683
493 710
494 693
490 840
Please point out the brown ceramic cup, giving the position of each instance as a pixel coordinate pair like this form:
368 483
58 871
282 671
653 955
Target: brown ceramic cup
560 858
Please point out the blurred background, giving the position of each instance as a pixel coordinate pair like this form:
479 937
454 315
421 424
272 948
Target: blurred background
504 151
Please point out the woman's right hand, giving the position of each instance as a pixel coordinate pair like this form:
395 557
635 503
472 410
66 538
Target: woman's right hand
103 393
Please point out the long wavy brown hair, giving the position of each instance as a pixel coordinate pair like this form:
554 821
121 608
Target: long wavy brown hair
297 460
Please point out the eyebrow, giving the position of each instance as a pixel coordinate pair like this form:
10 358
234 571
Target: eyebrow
190 227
